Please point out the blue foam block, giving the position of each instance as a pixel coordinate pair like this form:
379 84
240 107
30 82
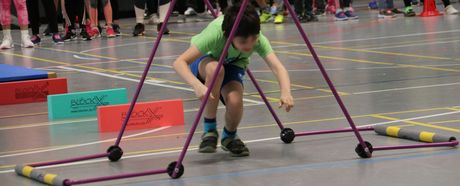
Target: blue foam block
10 73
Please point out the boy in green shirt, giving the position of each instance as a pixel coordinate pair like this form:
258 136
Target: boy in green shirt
198 64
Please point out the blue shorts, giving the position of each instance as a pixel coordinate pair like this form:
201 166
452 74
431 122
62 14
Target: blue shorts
232 72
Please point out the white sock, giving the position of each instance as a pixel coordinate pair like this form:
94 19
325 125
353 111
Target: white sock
139 15
24 33
163 11
7 34
338 10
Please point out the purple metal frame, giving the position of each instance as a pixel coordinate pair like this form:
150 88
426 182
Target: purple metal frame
175 169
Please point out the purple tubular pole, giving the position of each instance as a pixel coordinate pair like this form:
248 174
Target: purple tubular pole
114 177
262 95
426 145
146 71
211 86
70 160
333 131
324 73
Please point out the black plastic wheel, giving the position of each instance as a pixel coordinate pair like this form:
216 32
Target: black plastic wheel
287 135
172 168
115 153
362 153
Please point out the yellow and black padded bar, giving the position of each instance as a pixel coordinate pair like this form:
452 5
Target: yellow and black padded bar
40 176
423 136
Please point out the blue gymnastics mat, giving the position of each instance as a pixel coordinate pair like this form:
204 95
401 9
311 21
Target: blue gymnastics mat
10 73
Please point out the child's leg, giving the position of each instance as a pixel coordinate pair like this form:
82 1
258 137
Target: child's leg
21 10
115 10
93 13
232 93
6 14
51 15
34 16
5 19
107 12
207 67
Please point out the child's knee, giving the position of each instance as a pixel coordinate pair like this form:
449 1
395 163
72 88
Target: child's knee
234 104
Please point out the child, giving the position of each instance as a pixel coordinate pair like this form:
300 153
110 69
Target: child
5 18
198 63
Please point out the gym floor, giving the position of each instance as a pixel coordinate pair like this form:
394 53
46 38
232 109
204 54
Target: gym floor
401 71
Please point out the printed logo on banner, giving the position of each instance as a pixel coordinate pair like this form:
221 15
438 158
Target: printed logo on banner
144 116
36 92
86 104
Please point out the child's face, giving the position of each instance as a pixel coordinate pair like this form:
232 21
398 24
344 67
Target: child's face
245 44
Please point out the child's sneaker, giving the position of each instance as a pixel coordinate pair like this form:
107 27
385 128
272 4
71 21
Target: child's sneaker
209 142
25 42
409 12
57 38
94 32
109 32
340 16
116 28
279 19
265 16
35 39
139 29
386 14
69 35
235 146
166 31
450 10
350 14
84 34
190 12
7 44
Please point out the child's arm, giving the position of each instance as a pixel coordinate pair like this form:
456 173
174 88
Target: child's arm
181 65
282 75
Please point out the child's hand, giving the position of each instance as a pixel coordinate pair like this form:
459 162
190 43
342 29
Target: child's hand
286 101
201 90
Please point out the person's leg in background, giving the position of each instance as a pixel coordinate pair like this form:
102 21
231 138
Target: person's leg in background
448 8
310 16
320 7
34 19
139 10
115 16
181 7
345 5
408 11
163 6
265 14
279 12
384 10
23 22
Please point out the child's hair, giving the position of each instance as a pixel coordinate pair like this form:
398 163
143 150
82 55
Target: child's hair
249 24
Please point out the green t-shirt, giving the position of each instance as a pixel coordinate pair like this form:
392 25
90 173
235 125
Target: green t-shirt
211 41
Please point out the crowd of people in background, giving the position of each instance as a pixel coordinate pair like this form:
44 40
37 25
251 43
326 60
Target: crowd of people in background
81 18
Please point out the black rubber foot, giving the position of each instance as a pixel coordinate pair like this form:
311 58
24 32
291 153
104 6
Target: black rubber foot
115 153
287 135
172 168
362 153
